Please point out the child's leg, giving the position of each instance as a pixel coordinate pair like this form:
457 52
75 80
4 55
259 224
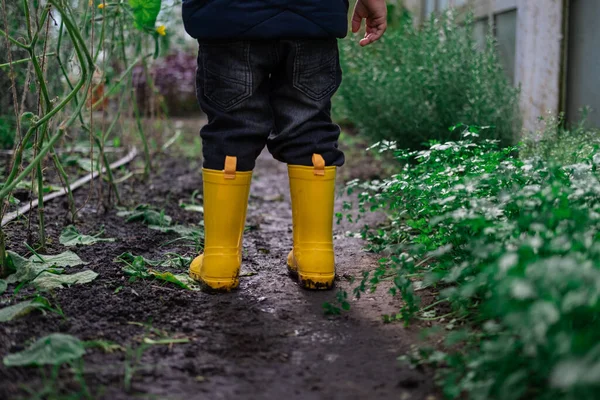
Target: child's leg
306 139
233 90
301 94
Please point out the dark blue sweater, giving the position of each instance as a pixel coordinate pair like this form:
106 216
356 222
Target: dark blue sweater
265 19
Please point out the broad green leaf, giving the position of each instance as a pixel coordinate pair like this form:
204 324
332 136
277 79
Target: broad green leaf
28 270
49 281
23 308
54 349
169 277
3 286
145 12
71 237
66 259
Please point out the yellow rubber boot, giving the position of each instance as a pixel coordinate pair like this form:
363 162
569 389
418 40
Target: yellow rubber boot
312 190
225 204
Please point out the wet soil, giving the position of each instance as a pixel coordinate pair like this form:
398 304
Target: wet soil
268 340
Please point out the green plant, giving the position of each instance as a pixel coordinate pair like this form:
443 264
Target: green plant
54 350
7 132
147 215
559 144
46 272
511 246
25 307
159 221
70 237
137 267
133 357
62 71
417 81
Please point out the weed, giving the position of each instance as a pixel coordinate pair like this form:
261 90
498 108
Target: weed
137 267
561 145
133 358
147 215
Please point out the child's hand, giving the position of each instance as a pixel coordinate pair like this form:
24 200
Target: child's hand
375 12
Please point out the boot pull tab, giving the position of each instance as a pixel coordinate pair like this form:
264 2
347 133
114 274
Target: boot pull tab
230 167
319 164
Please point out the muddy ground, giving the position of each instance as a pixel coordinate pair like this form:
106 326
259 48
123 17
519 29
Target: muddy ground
267 340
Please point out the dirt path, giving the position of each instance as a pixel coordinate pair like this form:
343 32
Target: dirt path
268 340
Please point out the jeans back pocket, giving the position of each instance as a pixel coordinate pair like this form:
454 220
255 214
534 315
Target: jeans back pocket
315 67
226 74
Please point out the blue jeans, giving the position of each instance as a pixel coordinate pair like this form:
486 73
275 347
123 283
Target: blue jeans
274 93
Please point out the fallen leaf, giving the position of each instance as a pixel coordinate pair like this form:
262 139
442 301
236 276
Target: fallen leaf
49 281
71 237
28 269
23 308
54 349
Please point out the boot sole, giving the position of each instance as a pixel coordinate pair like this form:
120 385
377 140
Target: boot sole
312 282
214 286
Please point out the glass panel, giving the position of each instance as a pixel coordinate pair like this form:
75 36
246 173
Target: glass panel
429 7
506 32
583 81
481 28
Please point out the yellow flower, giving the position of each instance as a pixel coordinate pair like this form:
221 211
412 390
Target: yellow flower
100 6
162 30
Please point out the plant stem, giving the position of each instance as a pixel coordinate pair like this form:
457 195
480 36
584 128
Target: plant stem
3 264
24 60
138 120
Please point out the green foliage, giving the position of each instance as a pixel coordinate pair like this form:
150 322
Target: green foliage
561 145
70 236
341 298
50 281
25 307
147 215
54 349
3 286
145 12
416 82
27 270
7 132
513 246
47 272
137 267
157 220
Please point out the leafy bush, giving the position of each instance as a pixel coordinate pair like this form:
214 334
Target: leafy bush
513 247
417 82
561 145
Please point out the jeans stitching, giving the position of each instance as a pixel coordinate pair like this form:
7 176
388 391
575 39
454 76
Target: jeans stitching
247 84
305 89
